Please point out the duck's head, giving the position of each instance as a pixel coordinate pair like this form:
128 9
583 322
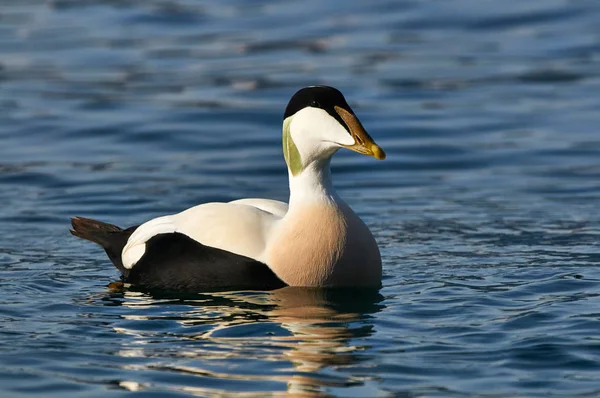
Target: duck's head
317 122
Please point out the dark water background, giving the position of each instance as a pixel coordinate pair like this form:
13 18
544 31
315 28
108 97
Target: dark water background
486 210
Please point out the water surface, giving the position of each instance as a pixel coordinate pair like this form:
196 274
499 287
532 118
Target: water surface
486 210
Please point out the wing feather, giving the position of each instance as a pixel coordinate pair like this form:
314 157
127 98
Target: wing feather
241 227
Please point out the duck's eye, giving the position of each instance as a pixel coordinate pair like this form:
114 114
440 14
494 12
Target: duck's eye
315 104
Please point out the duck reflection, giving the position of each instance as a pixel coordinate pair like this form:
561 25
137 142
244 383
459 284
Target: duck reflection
316 330
322 323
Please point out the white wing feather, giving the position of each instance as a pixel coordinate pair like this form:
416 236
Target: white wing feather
274 207
240 227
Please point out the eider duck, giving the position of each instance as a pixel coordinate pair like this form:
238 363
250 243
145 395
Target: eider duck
314 241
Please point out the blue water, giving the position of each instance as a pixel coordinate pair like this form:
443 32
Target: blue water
487 210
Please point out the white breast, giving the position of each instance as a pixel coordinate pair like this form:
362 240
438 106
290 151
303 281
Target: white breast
324 244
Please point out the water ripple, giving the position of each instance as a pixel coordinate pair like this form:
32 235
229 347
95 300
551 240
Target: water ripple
485 210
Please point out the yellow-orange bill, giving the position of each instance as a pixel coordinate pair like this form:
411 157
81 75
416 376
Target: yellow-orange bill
363 143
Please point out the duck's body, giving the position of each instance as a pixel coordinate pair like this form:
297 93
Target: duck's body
316 240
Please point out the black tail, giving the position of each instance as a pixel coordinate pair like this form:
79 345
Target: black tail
110 237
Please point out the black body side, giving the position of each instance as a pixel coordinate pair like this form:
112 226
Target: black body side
177 262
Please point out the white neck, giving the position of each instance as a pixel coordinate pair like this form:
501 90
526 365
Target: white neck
313 184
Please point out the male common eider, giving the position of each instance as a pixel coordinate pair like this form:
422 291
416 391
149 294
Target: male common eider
316 240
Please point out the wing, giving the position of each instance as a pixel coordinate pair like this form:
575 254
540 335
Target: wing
240 227
274 207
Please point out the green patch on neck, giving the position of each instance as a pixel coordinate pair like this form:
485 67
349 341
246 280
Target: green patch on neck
290 151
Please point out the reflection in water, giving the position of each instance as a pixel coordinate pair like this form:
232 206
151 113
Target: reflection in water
312 329
321 330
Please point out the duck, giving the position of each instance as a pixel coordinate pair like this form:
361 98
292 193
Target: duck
314 240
